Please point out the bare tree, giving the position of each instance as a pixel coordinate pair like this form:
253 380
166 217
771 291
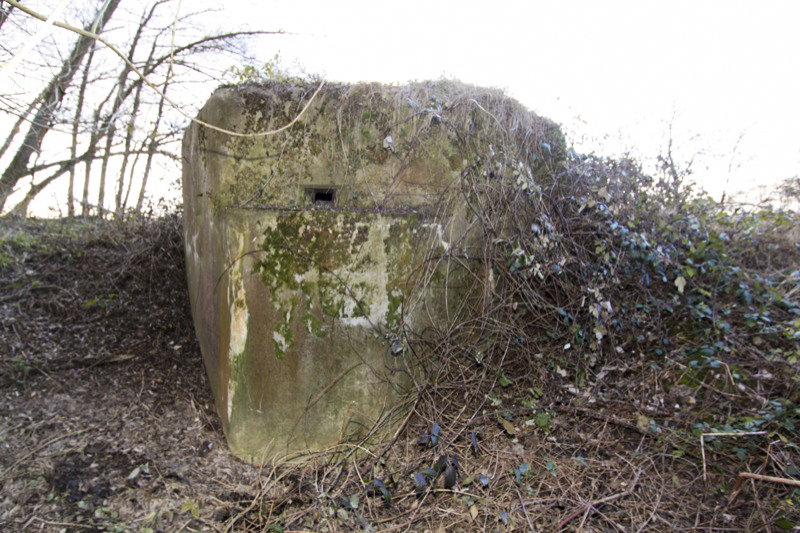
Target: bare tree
106 112
152 147
50 100
76 131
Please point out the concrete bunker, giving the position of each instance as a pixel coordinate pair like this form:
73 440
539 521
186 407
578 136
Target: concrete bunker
308 251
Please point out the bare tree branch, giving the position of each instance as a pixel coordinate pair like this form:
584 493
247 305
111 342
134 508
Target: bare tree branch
50 99
153 86
115 117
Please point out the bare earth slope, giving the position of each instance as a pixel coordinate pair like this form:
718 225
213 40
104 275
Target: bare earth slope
106 413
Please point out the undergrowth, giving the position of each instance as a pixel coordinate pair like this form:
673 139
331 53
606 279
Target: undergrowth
618 338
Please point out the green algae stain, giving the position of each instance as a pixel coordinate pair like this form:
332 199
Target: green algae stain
282 336
350 267
298 245
394 314
315 326
399 245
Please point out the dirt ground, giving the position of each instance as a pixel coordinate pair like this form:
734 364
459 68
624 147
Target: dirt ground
107 424
107 417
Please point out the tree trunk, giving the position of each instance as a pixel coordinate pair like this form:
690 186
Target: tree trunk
130 130
85 199
151 149
5 11
137 98
17 125
75 130
101 194
131 174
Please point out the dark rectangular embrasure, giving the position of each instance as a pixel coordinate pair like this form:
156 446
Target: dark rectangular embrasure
321 197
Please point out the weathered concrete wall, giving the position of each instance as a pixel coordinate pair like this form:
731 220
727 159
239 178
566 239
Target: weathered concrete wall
297 307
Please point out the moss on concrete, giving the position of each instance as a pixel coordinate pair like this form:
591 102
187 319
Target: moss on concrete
407 143
350 266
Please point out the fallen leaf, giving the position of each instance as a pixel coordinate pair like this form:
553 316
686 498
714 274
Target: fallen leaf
507 426
473 512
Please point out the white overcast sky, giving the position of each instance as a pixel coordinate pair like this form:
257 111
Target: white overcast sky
614 73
